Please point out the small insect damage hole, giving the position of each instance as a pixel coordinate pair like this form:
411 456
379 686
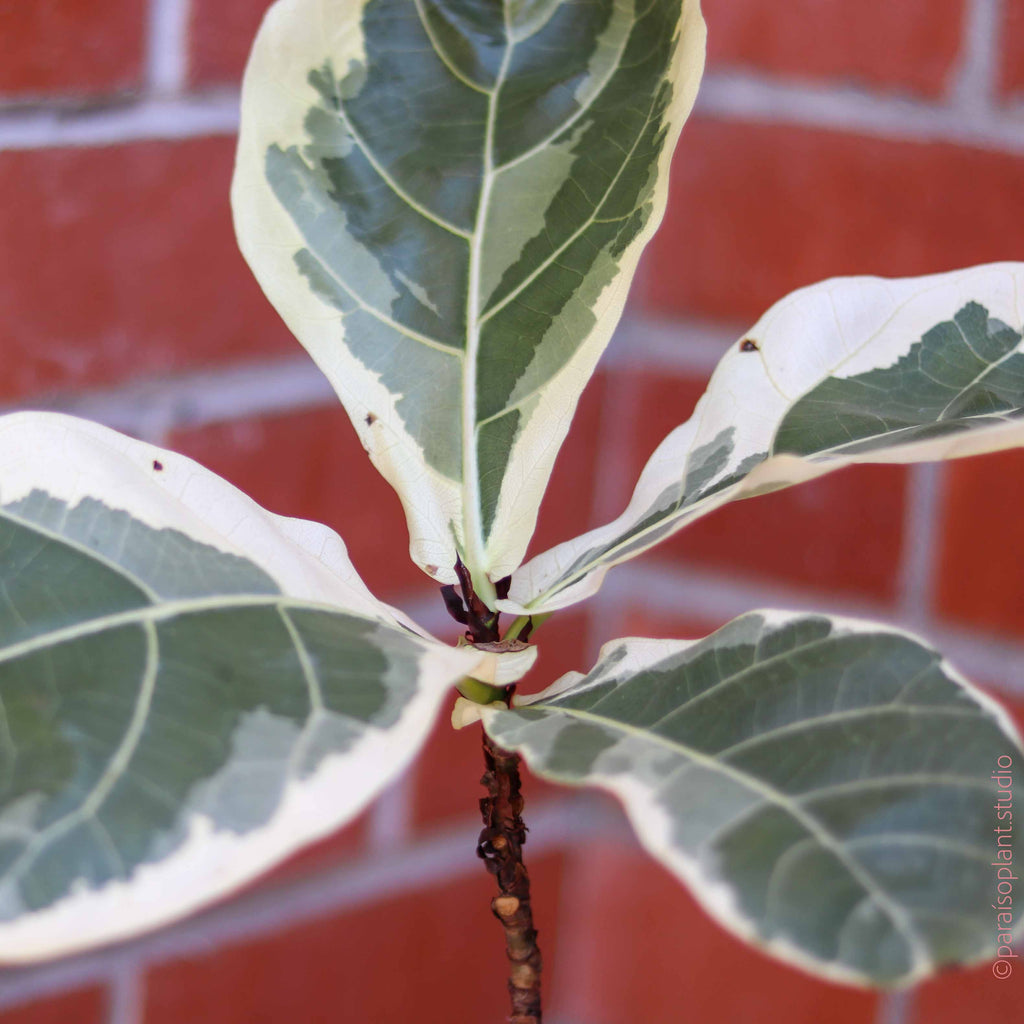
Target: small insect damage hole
370 419
749 345
158 466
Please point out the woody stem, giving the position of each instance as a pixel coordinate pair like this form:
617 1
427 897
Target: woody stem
501 847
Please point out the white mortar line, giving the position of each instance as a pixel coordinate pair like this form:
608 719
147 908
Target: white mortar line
613 477
612 483
424 606
698 593
126 995
390 824
681 346
603 625
687 345
23 985
988 660
274 909
973 84
167 57
151 407
1013 105
215 113
749 97
921 533
895 1008
728 95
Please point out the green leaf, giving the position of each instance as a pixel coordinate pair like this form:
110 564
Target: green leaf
851 370
824 786
446 203
190 687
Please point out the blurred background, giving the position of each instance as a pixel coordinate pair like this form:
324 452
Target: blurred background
830 137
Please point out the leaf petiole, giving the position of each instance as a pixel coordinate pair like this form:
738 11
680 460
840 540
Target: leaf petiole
481 693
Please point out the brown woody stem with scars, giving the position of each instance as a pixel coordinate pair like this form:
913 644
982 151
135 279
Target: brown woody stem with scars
501 848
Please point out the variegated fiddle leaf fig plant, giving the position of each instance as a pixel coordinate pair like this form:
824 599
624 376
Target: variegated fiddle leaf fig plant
446 201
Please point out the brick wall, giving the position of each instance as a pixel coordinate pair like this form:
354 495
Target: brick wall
832 136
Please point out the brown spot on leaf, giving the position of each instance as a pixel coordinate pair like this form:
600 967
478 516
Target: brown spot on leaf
158 466
749 345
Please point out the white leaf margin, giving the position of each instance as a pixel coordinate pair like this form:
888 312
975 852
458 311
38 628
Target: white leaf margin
839 327
540 440
653 826
74 459
294 37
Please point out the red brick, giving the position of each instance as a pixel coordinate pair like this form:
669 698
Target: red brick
664 624
221 35
446 783
946 999
757 210
910 46
982 545
77 47
842 532
432 956
1011 40
446 779
310 464
326 853
642 950
84 1006
121 261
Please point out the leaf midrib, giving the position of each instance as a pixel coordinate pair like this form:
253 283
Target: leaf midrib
165 611
771 795
471 498
681 512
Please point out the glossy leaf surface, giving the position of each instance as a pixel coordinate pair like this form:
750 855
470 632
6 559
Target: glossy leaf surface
851 370
824 786
190 687
446 203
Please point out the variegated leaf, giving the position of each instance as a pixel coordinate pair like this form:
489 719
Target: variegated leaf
851 370
446 203
824 786
190 687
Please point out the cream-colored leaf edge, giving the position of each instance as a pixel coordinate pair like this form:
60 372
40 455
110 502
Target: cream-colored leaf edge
72 460
534 452
213 863
433 504
294 37
653 827
802 339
